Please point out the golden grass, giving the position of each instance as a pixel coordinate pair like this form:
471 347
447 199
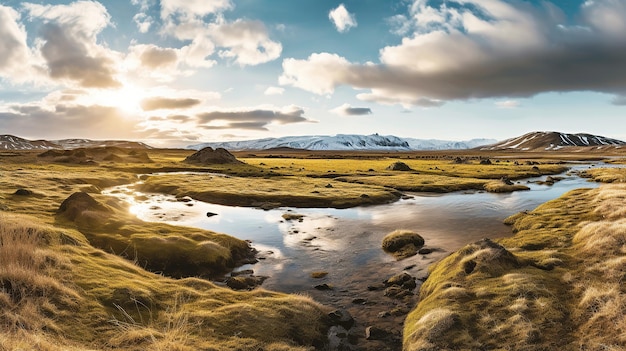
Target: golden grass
271 192
58 290
556 284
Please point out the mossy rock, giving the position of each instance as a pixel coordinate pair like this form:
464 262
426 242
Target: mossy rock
399 166
402 243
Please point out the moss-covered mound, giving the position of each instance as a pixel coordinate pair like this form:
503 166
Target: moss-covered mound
90 156
555 285
57 292
402 243
174 251
210 156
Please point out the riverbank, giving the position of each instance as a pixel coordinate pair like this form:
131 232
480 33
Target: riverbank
555 284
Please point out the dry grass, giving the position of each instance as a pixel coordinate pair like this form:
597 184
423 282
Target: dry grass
60 293
556 284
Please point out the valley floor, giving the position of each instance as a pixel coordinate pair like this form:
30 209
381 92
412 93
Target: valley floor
78 272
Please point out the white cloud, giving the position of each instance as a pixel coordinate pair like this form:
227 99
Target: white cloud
69 44
245 42
274 91
342 19
508 104
348 110
143 22
193 8
16 59
480 49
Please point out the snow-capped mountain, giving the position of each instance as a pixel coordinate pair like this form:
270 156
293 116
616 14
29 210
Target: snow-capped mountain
78 143
553 141
345 142
11 142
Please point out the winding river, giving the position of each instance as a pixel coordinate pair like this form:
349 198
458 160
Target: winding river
346 242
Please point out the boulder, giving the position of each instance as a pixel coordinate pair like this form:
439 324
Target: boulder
399 166
210 156
402 243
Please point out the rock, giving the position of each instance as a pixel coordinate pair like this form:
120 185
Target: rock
323 287
359 301
375 333
396 292
425 251
399 166
328 186
342 317
485 162
339 339
210 156
399 279
23 192
506 180
211 214
375 287
384 314
244 282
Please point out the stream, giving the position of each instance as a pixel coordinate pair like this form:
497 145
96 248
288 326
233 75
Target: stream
346 243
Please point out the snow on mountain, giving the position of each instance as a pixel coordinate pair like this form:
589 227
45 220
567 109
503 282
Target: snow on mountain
78 143
11 142
344 142
553 141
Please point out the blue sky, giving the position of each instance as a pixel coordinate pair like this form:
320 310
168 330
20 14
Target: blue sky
175 72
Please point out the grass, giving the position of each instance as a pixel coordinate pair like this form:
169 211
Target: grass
59 292
269 192
556 284
96 278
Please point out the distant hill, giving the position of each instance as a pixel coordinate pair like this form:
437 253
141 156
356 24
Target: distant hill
345 142
11 142
536 141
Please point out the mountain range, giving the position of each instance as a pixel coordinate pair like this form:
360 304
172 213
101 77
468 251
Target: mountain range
346 142
11 142
534 141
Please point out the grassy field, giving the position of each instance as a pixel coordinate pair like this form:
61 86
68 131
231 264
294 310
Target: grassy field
77 272
555 285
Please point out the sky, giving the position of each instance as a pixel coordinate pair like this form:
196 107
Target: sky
179 72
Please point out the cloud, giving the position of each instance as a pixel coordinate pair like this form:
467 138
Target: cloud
347 110
471 49
161 103
342 19
202 24
193 8
252 119
143 22
68 121
152 56
619 100
69 43
15 58
274 91
508 104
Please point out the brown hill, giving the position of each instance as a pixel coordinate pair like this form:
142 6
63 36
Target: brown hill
210 156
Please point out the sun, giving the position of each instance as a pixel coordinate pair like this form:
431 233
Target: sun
127 99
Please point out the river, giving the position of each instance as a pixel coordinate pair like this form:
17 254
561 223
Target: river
346 242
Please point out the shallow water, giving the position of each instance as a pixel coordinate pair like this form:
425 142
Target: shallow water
346 242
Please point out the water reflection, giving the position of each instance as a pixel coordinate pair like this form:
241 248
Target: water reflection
347 241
